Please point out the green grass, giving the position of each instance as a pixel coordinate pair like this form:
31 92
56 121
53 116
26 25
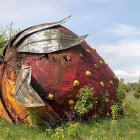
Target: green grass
125 128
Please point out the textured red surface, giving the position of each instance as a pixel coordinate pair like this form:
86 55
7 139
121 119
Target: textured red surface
55 73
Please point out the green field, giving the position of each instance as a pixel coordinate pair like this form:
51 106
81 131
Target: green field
124 128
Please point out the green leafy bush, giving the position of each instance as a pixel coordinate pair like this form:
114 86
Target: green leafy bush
126 107
121 92
49 131
72 130
136 95
137 90
101 101
85 101
59 133
121 105
114 111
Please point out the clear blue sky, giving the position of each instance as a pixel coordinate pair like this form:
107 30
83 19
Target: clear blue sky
113 26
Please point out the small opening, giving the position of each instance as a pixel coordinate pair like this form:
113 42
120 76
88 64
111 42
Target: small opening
54 58
67 58
46 56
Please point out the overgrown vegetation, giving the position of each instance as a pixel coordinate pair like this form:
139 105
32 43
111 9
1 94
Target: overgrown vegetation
121 92
6 33
121 106
124 128
101 102
137 90
88 101
85 101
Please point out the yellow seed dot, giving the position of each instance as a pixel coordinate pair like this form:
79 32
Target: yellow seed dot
111 82
76 83
50 96
106 64
101 62
71 102
88 73
81 55
95 66
115 77
88 51
94 49
102 84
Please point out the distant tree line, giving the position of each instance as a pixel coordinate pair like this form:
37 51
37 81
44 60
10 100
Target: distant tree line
134 88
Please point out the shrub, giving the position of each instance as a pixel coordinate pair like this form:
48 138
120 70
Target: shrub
114 111
126 107
101 101
85 101
72 130
49 131
121 105
59 133
121 92
137 90
136 95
